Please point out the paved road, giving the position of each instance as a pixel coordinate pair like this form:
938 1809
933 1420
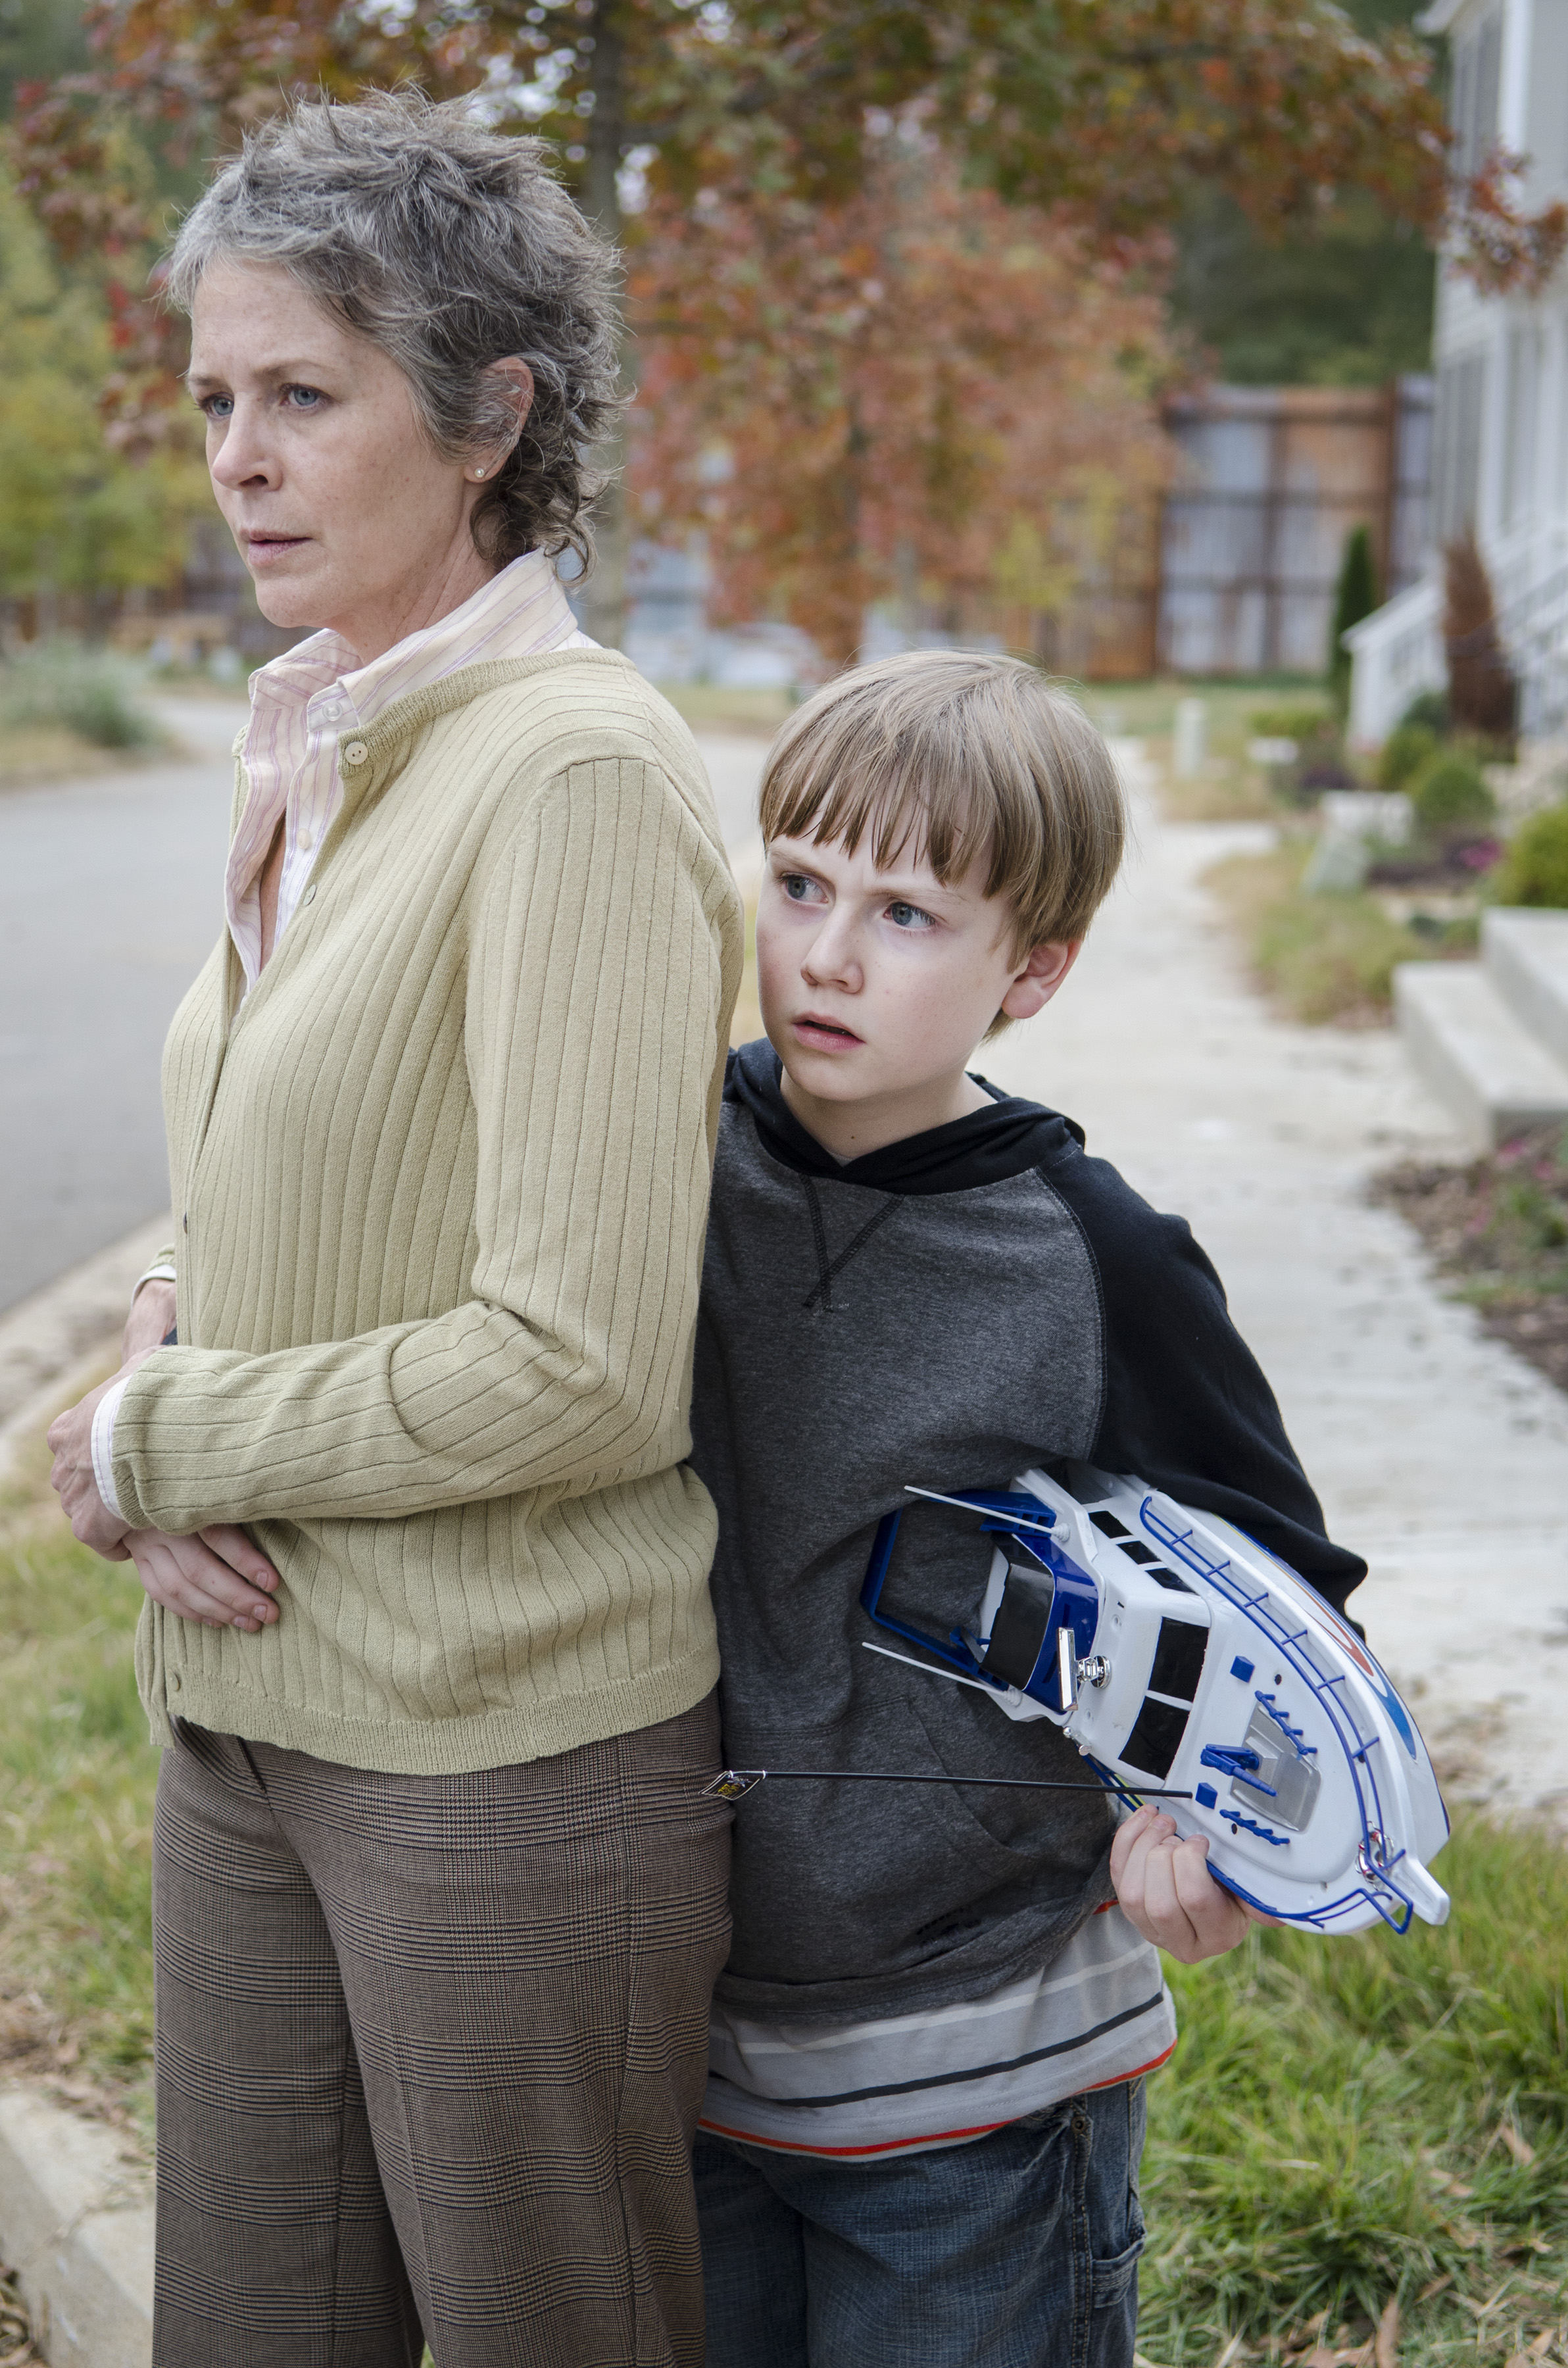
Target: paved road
110 898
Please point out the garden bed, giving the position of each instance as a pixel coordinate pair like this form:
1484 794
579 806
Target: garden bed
1498 1229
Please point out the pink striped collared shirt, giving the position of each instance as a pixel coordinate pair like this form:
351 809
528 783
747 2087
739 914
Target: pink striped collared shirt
312 697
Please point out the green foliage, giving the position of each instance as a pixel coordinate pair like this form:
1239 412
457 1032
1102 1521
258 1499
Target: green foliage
90 693
1430 709
77 1774
1348 2121
1403 753
1534 871
1302 722
1451 796
1356 595
1349 303
75 516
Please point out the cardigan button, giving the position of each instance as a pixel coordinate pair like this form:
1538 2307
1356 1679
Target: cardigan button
354 753
175 1682
308 896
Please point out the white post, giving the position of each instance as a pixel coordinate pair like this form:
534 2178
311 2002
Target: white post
1191 736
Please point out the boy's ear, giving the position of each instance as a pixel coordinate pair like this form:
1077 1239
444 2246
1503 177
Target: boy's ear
1041 976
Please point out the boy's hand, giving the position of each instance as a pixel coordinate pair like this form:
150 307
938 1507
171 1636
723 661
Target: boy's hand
1164 1886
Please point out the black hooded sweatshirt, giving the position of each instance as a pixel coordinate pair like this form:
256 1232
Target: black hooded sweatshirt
945 1312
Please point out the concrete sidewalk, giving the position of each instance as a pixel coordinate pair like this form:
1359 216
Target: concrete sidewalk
1437 1453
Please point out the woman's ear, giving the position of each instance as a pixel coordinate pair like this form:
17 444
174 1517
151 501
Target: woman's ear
1041 976
512 383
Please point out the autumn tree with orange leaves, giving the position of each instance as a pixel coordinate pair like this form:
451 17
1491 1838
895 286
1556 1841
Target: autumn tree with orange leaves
1100 113
921 393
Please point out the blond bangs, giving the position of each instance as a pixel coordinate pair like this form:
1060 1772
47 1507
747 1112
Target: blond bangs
965 759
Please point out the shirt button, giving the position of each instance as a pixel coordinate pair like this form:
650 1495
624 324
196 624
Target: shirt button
355 752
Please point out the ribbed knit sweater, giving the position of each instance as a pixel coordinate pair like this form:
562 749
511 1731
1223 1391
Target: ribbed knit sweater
441 1179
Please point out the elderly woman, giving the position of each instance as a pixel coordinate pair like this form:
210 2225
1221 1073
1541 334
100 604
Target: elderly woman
438 1899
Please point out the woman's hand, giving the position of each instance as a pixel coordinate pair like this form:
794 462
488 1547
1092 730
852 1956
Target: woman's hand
72 1476
151 1314
216 1576
1164 1886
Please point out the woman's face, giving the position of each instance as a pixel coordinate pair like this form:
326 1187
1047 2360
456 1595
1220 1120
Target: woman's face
341 508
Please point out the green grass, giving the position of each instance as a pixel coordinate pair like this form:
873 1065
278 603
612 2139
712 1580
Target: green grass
77 1777
1351 2122
1343 2121
1323 958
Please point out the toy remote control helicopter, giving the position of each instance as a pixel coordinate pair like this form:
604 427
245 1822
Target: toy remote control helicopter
1190 1665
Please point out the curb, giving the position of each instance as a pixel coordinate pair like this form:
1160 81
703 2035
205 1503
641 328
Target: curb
65 1333
76 2228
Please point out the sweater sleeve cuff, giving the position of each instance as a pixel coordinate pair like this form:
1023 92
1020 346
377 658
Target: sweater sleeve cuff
103 1446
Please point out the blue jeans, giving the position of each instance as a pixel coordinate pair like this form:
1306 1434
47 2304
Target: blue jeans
1017 2251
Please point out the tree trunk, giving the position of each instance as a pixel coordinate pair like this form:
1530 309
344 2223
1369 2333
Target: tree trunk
604 594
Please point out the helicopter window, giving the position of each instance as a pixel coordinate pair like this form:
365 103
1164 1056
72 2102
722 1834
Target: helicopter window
1170 1582
1017 1630
1108 1526
1138 1552
1156 1740
1179 1659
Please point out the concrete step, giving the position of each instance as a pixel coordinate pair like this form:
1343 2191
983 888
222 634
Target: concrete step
1525 953
1473 1053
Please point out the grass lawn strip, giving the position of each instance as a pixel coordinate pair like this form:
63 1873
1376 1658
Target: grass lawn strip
1344 2125
1323 958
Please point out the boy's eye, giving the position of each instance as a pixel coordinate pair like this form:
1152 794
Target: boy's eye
798 886
909 916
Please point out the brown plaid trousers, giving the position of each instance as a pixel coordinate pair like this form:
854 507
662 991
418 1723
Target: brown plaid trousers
430 2053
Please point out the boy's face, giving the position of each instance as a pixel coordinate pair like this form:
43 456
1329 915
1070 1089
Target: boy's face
876 986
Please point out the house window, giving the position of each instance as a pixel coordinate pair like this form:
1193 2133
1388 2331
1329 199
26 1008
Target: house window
1478 71
1456 473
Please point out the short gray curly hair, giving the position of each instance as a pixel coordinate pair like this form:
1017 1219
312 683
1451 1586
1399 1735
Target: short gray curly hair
450 247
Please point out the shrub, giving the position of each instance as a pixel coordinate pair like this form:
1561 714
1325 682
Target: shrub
1452 798
1356 596
91 693
1535 869
1430 708
1406 749
1293 723
1483 692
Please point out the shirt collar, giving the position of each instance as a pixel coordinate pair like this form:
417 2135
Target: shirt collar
520 611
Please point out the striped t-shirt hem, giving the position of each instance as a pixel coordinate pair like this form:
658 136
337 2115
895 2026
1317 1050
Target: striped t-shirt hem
1098 2014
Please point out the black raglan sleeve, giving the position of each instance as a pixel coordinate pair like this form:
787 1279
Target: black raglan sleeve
1186 1403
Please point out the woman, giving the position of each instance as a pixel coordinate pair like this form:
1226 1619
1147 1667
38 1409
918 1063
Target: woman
437 1898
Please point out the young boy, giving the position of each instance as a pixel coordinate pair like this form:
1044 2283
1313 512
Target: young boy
920 2140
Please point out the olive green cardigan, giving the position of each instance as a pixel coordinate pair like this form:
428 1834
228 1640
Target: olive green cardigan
441 1181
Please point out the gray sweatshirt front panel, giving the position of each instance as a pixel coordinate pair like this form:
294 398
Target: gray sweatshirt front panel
850 1342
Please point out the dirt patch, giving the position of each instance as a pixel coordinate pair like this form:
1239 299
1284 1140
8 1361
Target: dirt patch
1497 1228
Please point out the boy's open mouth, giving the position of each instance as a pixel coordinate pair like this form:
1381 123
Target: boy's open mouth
813 1030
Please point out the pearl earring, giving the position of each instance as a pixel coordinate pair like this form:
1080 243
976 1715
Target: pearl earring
479 473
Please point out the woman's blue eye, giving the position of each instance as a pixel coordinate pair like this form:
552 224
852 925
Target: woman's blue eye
304 398
219 407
